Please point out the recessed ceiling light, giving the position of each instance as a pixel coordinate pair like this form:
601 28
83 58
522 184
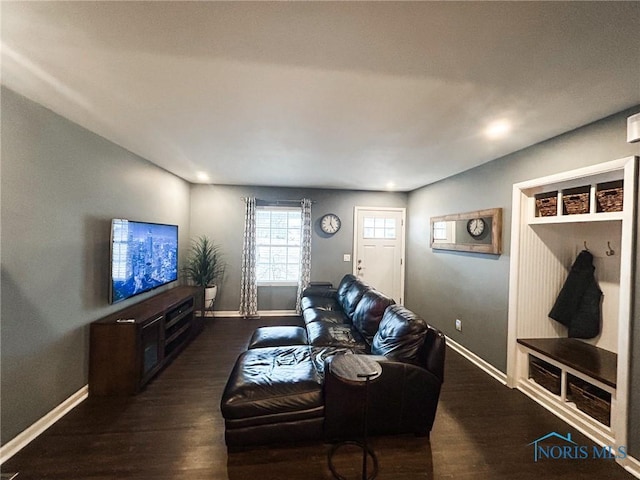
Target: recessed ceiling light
498 129
391 185
202 176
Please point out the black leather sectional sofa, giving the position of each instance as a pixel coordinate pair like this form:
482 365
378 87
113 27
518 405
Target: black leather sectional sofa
282 388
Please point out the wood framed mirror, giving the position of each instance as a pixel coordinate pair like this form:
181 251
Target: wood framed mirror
479 231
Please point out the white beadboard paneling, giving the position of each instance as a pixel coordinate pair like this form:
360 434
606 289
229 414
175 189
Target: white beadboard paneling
543 271
551 250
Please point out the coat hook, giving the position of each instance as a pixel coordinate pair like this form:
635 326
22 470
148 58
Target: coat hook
585 246
610 251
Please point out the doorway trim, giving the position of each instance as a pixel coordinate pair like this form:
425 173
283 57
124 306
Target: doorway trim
403 211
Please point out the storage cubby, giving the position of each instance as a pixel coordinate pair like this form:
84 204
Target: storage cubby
129 347
594 197
546 204
610 196
575 201
554 218
546 375
588 398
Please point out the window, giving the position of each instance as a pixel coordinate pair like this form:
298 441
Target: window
121 263
440 231
444 232
278 237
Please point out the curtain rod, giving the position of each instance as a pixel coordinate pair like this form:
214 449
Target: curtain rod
298 200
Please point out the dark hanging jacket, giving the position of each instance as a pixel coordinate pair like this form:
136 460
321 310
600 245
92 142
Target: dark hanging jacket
578 304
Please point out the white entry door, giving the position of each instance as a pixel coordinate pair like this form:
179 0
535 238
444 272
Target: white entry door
379 249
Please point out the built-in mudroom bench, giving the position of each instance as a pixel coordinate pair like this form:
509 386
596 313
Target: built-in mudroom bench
577 374
556 220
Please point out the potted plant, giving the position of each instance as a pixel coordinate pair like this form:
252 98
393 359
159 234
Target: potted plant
205 267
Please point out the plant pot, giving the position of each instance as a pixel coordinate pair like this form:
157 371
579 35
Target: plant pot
210 296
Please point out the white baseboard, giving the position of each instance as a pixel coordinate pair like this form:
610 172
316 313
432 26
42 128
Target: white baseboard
477 361
261 313
632 466
21 440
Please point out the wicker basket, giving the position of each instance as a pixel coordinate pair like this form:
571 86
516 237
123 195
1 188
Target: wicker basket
545 375
547 206
592 400
610 199
576 203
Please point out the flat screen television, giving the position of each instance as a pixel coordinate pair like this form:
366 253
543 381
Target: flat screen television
144 256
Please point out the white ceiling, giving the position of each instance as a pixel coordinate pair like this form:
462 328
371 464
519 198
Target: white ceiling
330 94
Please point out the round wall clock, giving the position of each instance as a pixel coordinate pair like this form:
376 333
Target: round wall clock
330 223
476 227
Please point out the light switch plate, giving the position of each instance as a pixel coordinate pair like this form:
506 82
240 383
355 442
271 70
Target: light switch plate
346 257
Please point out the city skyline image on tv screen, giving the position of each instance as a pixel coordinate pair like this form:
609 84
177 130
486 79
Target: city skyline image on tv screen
143 256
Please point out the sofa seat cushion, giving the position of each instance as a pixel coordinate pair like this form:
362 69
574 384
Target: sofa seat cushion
323 334
278 336
400 335
322 354
330 316
278 382
319 302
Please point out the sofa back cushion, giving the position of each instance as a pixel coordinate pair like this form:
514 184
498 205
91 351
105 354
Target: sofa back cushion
344 286
400 335
369 312
352 297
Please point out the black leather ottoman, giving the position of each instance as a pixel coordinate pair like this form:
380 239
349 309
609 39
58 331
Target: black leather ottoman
273 395
278 337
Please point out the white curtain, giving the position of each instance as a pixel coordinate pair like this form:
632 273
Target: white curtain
249 284
305 252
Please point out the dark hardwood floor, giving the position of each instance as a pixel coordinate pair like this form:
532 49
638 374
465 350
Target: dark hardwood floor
174 430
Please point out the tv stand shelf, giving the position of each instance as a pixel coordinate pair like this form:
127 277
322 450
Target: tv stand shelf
174 321
129 347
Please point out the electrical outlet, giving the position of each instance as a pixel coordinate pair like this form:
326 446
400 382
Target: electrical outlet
458 324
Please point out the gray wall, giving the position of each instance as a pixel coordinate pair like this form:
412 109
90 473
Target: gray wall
218 211
60 186
443 286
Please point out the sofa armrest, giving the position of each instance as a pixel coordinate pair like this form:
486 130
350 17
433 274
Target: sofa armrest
432 352
403 399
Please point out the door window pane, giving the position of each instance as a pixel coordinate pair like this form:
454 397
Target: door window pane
376 227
